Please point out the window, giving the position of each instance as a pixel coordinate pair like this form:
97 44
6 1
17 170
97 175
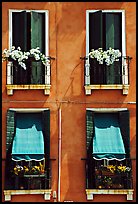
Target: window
29 30
108 164
105 29
28 150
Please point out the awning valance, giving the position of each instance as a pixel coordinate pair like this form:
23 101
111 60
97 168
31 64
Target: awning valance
107 142
28 143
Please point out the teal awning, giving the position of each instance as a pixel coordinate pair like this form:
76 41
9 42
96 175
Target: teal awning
28 143
107 141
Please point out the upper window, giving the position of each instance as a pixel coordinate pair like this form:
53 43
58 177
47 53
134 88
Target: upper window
105 29
27 150
29 29
108 150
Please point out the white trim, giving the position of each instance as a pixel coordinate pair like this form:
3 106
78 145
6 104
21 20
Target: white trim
27 160
106 110
28 110
109 159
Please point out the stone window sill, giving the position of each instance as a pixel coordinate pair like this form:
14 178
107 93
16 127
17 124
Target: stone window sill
45 192
45 87
91 192
88 88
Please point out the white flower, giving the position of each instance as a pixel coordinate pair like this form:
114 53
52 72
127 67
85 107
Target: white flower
17 54
109 56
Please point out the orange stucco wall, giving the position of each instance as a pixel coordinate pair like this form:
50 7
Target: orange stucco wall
67 38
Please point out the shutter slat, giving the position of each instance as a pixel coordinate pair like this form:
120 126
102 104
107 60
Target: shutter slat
37 40
125 130
113 37
10 129
46 132
19 40
89 146
95 42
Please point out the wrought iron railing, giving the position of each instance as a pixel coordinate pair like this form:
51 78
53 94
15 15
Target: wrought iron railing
28 181
115 175
92 70
17 75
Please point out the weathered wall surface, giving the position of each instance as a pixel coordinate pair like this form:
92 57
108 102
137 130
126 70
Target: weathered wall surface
67 29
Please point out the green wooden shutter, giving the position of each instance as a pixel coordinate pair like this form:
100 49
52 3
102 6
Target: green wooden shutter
46 132
19 20
125 130
19 39
112 39
95 42
95 30
37 40
10 130
11 115
89 148
89 131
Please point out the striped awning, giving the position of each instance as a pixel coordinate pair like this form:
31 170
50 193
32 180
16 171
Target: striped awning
28 143
107 142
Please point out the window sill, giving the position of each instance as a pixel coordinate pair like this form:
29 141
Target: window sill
9 193
125 88
11 87
91 192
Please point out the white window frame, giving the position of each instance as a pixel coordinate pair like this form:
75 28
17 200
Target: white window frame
10 86
124 84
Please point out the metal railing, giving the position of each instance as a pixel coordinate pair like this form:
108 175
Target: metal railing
101 176
95 73
17 75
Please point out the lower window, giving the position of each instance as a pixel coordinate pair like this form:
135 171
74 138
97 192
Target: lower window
28 150
108 163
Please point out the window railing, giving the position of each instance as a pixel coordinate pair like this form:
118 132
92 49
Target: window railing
20 79
101 76
115 175
29 181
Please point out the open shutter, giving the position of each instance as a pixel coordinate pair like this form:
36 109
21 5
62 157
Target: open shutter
19 39
10 130
20 30
46 133
37 40
89 147
95 42
113 36
11 115
125 130
95 30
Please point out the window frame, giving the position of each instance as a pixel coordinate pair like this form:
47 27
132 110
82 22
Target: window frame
125 82
46 86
